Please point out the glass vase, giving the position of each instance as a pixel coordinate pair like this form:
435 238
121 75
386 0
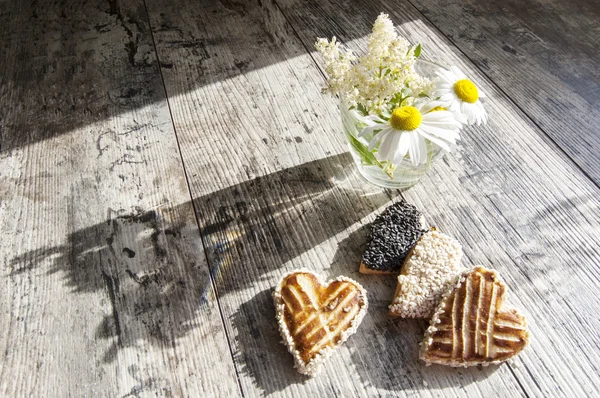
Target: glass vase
405 175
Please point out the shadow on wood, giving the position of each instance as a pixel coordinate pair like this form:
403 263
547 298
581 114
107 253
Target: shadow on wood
256 227
154 284
261 354
155 277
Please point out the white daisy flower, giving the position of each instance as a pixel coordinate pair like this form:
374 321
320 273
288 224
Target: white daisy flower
460 96
407 129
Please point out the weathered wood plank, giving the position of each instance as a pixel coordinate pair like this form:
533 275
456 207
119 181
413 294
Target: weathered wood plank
513 199
104 288
543 54
252 118
258 139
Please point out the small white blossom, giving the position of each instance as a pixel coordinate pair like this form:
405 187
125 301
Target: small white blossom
338 64
386 70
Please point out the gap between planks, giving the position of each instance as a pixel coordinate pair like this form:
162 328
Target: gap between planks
324 74
187 180
506 95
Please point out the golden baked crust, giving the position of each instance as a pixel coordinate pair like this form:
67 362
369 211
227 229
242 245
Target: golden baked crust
314 318
471 327
370 271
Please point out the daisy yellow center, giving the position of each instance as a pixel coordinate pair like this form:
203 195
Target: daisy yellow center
406 118
466 91
438 108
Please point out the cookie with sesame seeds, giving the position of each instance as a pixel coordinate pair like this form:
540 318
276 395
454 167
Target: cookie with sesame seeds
472 325
315 317
432 266
393 234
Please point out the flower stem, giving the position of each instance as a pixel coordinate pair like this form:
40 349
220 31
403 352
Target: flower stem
368 157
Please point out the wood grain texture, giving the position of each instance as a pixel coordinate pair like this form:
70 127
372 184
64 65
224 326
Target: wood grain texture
516 203
543 54
247 133
272 187
104 287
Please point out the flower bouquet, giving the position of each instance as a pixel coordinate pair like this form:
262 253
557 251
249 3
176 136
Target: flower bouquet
399 113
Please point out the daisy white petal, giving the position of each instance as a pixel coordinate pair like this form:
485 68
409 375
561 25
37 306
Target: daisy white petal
378 137
376 119
445 75
457 72
371 128
390 145
417 149
403 148
482 112
442 144
447 97
452 128
428 106
445 134
355 115
439 115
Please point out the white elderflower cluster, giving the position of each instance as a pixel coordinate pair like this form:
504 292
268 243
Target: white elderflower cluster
382 77
338 64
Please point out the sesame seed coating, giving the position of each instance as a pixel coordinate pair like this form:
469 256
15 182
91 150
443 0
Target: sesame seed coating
431 268
482 357
314 365
393 234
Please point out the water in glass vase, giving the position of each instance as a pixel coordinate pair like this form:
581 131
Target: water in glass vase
379 171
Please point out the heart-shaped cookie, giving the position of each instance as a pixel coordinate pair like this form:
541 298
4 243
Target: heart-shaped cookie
471 327
316 317
429 270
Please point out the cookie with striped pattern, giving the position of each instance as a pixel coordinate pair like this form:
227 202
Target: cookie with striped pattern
315 317
472 326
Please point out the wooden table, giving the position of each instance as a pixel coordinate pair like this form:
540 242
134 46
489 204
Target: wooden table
162 165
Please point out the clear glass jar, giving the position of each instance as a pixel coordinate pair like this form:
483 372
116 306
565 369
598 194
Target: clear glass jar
405 175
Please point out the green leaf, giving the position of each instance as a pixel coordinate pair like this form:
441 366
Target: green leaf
417 51
362 109
366 156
